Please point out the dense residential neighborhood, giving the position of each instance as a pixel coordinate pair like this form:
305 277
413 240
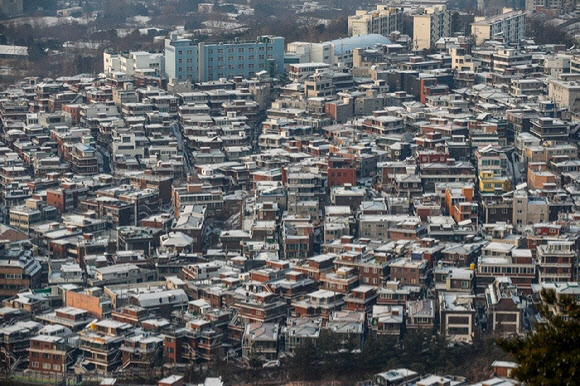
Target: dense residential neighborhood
233 202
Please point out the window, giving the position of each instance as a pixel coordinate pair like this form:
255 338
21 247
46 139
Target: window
35 364
46 366
56 367
240 57
251 57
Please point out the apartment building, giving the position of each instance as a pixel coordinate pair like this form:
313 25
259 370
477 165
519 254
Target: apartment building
262 307
556 6
431 25
384 227
393 293
84 159
34 211
49 354
388 320
409 272
501 259
262 339
556 261
565 93
343 280
101 343
528 209
18 271
299 331
489 182
505 59
121 274
70 317
383 21
197 194
133 62
142 351
15 339
504 307
560 289
540 178
201 62
420 314
457 316
361 298
12 8
319 303
549 129
459 203
455 279
317 266
509 26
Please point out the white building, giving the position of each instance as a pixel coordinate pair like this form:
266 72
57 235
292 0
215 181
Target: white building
430 26
457 316
510 26
529 210
133 62
126 144
339 51
312 52
557 64
565 94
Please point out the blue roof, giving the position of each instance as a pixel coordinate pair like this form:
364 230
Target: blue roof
361 41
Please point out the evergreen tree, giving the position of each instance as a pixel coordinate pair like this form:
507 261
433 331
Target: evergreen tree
550 355
305 363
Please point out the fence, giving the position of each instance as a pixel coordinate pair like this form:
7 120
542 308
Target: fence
125 377
38 378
